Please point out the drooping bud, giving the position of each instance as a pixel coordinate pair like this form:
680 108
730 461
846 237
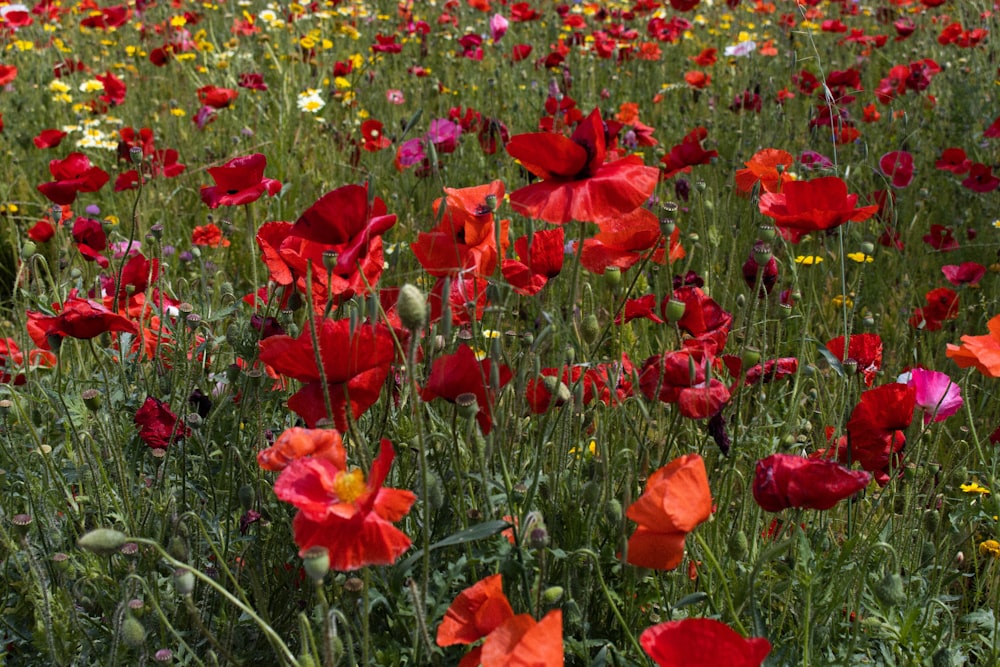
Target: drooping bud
102 541
412 307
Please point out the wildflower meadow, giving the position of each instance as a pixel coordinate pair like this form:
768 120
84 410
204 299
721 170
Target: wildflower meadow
483 332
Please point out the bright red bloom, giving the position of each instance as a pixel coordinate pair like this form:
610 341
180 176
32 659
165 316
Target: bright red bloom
372 138
114 89
875 429
676 500
687 154
941 238
209 236
941 305
966 273
643 306
49 138
158 425
12 361
466 236
217 98
576 182
808 206
461 373
783 480
697 642
90 239
341 511
239 181
537 263
7 75
983 352
897 166
770 370
476 612
953 160
466 298
684 377
82 318
863 349
524 642
981 178
109 17
610 383
41 231
355 368
624 241
704 319
72 175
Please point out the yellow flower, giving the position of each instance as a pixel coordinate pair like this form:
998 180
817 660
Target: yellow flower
860 257
808 260
91 86
57 86
974 487
840 300
178 21
990 548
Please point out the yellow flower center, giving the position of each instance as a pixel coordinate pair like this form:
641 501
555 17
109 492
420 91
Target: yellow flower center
350 485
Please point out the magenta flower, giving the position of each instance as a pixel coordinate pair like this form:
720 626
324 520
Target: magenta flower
498 27
938 397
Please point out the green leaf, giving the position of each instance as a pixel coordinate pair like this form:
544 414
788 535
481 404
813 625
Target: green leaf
477 532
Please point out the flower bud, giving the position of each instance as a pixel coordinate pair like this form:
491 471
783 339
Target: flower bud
557 389
739 548
102 541
412 307
184 581
674 310
868 248
552 594
613 277
889 590
590 328
133 633
766 233
316 562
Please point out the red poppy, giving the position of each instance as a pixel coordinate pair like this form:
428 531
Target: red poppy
158 425
537 263
12 361
610 383
372 137
684 377
625 240
7 75
767 274
296 443
209 236
966 273
90 239
136 276
215 97
697 79
49 138
783 480
82 318
898 167
808 206
983 352
350 516
694 642
704 319
466 236
72 175
865 350
981 178
355 366
576 182
521 641
770 370
676 500
143 139
941 238
465 300
114 89
941 305
687 154
875 429
461 373
953 160
643 306
706 58
109 17
476 612
239 181
769 167
252 81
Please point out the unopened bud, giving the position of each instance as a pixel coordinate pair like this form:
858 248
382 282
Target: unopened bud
868 248
28 250
133 633
102 541
552 594
184 581
590 328
412 307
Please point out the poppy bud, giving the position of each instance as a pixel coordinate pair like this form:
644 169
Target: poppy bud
558 390
28 250
316 562
102 541
133 633
553 594
590 328
739 548
889 590
750 357
868 247
613 511
412 307
184 581
943 657
246 496
674 310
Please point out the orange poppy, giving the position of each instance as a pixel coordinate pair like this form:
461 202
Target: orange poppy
524 642
297 443
763 167
983 352
475 613
676 500
697 79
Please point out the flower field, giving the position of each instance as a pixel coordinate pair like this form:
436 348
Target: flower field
482 332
